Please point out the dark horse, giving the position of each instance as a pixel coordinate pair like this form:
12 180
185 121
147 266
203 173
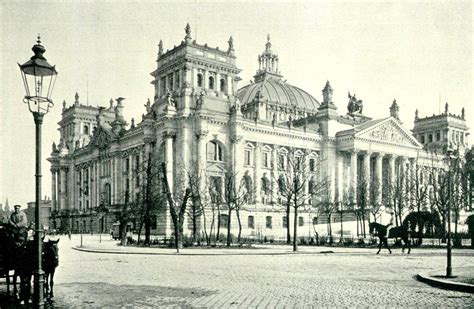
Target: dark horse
50 262
380 230
20 255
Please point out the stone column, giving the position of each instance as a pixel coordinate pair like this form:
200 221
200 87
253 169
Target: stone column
53 190
366 176
201 157
168 137
340 175
274 174
403 175
353 178
256 174
378 173
412 178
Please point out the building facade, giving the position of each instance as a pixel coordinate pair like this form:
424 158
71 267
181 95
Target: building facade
201 121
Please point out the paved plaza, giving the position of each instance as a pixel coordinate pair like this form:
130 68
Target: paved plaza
250 277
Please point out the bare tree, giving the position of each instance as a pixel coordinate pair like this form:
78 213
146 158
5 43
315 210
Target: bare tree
296 187
236 195
375 202
177 205
418 191
198 197
327 205
362 205
125 212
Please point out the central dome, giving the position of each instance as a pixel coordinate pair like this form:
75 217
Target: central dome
278 92
270 87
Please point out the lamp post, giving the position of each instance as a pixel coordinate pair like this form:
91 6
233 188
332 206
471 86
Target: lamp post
449 271
39 78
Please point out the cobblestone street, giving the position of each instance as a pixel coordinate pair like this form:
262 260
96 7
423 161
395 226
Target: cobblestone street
354 278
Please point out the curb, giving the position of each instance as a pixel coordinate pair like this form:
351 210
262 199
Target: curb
199 254
446 284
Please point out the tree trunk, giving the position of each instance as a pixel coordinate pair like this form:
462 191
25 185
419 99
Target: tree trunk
237 212
123 233
295 226
363 222
357 223
342 234
288 234
147 229
194 227
218 223
229 237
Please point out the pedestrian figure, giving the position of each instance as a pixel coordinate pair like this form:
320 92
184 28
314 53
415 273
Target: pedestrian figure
69 234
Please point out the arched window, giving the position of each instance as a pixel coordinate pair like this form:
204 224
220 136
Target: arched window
199 80
211 82
214 151
86 129
430 138
222 85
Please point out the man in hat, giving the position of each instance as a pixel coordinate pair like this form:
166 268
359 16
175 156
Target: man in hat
19 224
18 218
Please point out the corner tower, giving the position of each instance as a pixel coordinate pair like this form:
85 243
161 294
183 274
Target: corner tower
194 77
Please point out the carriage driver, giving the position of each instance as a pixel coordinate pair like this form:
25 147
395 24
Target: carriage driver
18 218
390 223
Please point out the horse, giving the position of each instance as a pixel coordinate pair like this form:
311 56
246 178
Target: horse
50 262
7 247
380 230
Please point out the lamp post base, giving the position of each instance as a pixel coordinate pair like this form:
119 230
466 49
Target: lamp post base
38 289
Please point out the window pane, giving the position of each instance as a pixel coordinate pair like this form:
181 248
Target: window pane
269 222
251 224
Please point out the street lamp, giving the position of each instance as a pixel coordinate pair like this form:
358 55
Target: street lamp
39 78
449 271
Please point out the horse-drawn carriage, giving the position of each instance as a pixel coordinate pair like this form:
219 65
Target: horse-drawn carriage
18 258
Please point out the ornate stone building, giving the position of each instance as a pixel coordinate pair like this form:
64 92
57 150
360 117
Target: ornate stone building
199 120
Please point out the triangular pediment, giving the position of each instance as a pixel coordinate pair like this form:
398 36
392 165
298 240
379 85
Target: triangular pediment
388 131
215 168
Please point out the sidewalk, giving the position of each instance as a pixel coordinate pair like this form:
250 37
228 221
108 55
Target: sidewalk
107 245
462 280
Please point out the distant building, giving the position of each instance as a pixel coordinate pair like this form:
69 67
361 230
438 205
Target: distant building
45 212
199 120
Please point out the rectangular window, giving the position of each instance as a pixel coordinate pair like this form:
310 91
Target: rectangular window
266 159
170 82
281 161
284 223
248 159
223 220
312 165
126 165
163 85
127 184
300 221
79 182
268 222
215 189
137 162
251 223
177 79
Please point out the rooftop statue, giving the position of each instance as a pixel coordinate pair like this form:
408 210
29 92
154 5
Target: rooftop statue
354 105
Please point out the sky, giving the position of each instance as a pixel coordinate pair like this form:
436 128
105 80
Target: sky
420 53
